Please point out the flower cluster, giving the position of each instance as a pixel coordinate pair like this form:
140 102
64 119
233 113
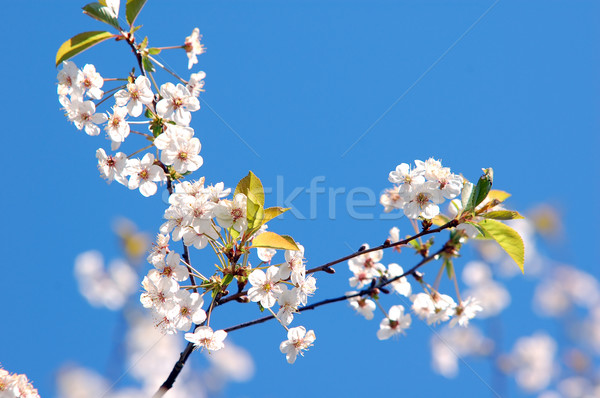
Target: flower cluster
169 112
14 385
431 306
272 287
200 216
419 190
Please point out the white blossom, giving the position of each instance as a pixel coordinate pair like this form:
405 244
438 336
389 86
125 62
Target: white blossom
265 287
137 94
396 322
144 174
204 337
91 82
193 47
299 340
112 167
176 103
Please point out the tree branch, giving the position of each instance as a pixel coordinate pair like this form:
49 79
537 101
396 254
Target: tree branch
382 283
325 267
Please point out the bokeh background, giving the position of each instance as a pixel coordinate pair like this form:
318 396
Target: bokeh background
295 90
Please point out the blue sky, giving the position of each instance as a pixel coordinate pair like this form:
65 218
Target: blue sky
344 90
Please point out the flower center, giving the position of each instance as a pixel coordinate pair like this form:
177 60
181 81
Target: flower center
236 214
177 103
422 199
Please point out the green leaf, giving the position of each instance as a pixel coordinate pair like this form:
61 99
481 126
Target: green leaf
502 215
227 280
132 9
254 213
481 230
466 194
508 239
501 196
80 43
273 212
101 13
481 190
449 268
154 51
251 186
440 220
148 66
234 233
275 241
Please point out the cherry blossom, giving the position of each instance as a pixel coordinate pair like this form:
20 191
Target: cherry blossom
137 94
112 167
396 322
193 47
144 174
204 337
90 81
232 213
299 340
117 127
196 83
187 310
265 287
176 103
67 79
83 114
362 305
14 385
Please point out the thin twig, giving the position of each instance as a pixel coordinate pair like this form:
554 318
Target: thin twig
449 224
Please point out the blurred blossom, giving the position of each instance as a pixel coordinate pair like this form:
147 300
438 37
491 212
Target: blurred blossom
135 244
590 330
492 296
78 382
489 250
532 361
231 363
565 287
577 387
103 288
453 343
150 353
547 221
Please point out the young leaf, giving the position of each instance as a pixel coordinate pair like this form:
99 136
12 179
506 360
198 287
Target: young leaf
132 9
148 65
273 212
502 215
234 233
466 194
478 228
251 185
440 220
501 196
274 241
101 13
254 213
449 268
80 43
227 280
507 238
481 190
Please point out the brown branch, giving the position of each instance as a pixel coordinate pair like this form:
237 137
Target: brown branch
327 266
368 291
382 282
